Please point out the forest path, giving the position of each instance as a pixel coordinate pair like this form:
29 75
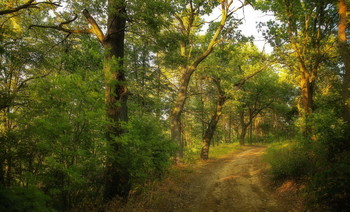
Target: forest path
234 182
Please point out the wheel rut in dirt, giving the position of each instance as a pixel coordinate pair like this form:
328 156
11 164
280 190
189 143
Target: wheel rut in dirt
232 183
236 182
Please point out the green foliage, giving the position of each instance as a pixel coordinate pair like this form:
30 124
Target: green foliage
288 161
329 186
144 150
322 161
24 199
329 130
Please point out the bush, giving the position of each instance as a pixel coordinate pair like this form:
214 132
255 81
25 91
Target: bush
288 161
145 150
329 186
329 132
22 199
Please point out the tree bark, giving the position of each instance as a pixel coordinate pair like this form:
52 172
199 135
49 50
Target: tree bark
306 94
175 114
306 103
250 127
243 134
209 133
345 54
117 175
243 129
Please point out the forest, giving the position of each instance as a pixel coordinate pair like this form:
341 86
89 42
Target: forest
101 98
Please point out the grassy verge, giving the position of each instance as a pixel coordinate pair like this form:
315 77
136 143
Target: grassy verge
223 149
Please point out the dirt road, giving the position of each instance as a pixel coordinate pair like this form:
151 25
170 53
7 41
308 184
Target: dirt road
232 183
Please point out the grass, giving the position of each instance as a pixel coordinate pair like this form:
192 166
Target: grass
223 149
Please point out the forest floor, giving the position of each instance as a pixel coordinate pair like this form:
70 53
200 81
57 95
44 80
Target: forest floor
237 181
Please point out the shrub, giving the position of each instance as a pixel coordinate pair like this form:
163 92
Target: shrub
288 161
22 199
145 150
329 186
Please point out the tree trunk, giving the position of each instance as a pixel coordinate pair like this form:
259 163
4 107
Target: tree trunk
176 112
250 127
345 54
229 129
2 171
243 129
251 133
306 103
243 134
209 133
117 175
306 94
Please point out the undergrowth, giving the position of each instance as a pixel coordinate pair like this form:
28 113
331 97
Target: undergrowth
326 179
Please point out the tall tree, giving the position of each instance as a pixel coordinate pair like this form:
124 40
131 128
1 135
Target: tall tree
229 67
303 34
188 24
116 93
344 51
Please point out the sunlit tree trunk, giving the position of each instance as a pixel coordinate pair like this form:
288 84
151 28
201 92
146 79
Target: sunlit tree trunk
345 54
306 103
176 112
306 94
306 32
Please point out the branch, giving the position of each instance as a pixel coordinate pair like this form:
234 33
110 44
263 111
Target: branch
224 10
31 78
243 81
96 30
29 4
61 27
238 8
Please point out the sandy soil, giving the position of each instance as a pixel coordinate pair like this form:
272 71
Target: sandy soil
236 182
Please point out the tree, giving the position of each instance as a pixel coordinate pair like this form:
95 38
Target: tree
344 51
188 24
21 62
256 97
209 132
304 35
116 92
224 68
